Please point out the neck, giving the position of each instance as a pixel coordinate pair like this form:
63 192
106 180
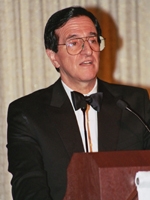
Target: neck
84 87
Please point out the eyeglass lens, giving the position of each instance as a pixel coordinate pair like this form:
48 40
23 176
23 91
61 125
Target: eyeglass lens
76 45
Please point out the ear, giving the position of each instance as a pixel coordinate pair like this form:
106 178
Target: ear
53 58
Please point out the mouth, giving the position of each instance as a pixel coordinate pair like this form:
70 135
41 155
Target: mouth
88 62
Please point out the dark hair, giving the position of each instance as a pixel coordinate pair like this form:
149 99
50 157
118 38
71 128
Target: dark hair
59 19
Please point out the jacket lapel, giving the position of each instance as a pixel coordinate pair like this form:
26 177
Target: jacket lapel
65 120
108 121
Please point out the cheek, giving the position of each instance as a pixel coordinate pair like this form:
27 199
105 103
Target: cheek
97 58
97 55
71 61
67 63
62 58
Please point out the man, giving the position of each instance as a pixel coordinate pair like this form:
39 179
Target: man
45 128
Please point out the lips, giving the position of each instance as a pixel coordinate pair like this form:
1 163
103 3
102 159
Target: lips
88 62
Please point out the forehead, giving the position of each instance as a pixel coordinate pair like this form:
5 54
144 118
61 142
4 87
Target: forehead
77 26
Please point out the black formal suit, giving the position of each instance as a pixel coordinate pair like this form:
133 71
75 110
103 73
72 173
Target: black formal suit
43 134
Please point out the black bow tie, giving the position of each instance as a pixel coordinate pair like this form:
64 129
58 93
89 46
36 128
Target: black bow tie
81 101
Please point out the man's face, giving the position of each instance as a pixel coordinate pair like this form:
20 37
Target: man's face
83 67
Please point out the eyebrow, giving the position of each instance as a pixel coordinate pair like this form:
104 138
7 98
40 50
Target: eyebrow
77 36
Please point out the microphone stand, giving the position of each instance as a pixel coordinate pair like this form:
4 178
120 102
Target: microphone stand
123 105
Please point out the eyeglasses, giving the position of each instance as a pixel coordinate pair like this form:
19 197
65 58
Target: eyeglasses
76 45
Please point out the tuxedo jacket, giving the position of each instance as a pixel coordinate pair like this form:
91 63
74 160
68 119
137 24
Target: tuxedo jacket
43 134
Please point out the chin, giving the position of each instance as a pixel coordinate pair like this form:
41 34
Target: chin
88 79
90 76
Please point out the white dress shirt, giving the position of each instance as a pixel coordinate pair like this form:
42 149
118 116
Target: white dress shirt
92 119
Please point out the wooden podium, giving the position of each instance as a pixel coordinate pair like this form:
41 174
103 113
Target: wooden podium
105 175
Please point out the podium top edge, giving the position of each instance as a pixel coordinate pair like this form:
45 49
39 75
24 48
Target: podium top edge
115 158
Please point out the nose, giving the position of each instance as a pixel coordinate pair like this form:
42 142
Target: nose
86 49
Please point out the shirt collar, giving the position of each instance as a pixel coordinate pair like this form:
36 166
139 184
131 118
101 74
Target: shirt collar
69 90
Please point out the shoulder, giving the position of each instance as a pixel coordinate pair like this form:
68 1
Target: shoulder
123 90
31 98
35 99
136 97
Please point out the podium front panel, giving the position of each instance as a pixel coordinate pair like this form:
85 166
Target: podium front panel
105 175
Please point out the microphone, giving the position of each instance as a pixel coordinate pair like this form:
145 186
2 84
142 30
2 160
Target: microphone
123 105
